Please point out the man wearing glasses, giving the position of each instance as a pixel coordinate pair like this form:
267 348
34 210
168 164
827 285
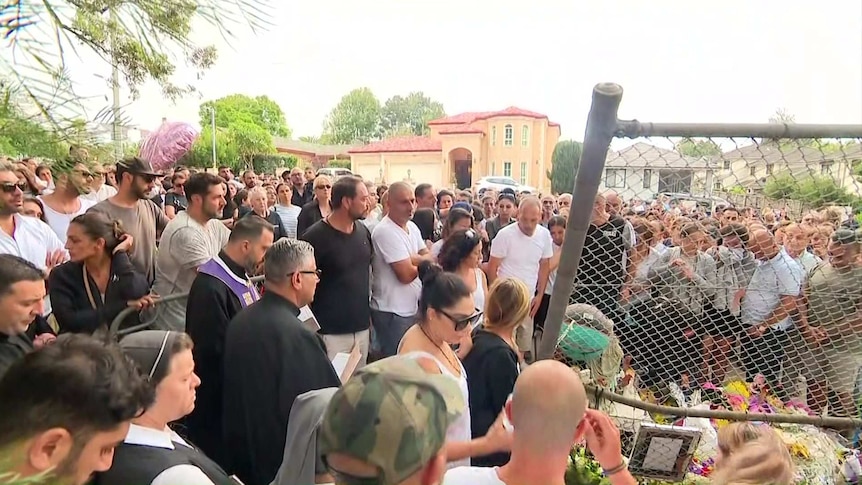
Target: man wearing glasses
74 179
141 218
271 358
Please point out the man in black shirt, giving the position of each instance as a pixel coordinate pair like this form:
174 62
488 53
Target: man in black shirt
22 290
342 249
600 274
271 358
220 290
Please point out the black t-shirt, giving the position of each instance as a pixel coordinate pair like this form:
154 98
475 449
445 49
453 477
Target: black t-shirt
341 301
600 272
178 201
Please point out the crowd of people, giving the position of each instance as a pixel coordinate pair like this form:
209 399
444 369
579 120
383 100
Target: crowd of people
442 293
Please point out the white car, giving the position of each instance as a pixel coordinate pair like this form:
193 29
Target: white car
498 183
334 173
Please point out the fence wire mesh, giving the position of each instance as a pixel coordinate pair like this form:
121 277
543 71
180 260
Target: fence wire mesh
727 274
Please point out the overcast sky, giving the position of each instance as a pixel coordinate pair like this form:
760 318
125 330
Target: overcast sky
678 60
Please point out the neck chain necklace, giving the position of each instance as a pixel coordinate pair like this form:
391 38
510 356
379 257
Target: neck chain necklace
440 348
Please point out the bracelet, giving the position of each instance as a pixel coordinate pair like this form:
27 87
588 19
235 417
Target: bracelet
613 471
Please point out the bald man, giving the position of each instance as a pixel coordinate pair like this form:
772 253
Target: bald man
523 251
768 306
548 414
395 288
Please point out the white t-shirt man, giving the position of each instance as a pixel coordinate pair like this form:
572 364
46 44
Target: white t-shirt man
520 254
184 246
393 243
59 221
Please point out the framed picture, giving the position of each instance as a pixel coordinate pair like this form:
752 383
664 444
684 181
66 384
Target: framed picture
663 452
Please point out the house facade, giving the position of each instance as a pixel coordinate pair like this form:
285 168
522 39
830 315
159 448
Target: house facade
461 149
643 171
750 167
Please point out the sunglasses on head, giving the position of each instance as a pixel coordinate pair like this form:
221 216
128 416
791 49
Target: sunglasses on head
9 187
462 322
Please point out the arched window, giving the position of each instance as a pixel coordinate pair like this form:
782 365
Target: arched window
525 135
508 135
493 135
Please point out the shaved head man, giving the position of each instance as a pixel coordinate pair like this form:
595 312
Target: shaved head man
548 413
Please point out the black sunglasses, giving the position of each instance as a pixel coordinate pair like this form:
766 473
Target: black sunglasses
323 187
9 188
315 272
462 322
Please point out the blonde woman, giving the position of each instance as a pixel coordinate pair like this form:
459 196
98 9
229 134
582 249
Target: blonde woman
751 454
493 362
318 208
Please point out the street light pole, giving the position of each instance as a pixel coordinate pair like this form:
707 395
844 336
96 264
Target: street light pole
212 122
116 132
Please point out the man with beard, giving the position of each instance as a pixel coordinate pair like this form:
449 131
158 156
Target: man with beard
342 249
191 239
141 218
65 409
220 290
74 179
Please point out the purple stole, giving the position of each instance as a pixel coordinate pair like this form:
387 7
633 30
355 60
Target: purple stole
243 289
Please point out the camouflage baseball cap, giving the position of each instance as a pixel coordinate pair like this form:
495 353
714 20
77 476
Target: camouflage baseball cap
393 415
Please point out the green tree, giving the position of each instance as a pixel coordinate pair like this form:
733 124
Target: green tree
782 186
249 140
697 148
146 40
565 161
409 114
201 153
356 118
20 136
260 111
269 163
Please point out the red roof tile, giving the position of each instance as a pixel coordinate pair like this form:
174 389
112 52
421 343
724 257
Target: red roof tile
553 123
465 118
462 128
401 144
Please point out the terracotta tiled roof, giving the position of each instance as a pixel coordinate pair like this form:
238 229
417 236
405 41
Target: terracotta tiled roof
466 118
401 144
461 128
287 145
553 123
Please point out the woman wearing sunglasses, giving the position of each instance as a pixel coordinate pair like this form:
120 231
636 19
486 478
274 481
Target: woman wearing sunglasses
446 316
318 208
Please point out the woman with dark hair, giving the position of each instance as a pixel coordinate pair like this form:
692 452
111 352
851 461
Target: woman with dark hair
445 201
426 221
446 316
456 219
33 207
461 254
152 453
99 281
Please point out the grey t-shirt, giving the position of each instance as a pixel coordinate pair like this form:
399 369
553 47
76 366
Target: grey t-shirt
143 222
184 246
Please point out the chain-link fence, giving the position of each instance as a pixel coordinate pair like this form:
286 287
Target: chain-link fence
727 261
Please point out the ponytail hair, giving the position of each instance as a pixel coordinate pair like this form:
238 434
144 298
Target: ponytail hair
440 290
97 225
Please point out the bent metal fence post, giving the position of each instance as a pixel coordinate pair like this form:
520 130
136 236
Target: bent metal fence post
601 127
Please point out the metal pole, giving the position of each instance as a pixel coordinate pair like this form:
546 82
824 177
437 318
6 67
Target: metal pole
212 121
116 133
601 125
637 129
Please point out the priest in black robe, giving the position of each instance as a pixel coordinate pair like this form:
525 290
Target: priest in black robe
270 359
220 290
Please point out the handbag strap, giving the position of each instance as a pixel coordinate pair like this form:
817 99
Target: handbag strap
89 290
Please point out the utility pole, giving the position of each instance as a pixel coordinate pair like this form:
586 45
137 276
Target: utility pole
116 132
213 126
